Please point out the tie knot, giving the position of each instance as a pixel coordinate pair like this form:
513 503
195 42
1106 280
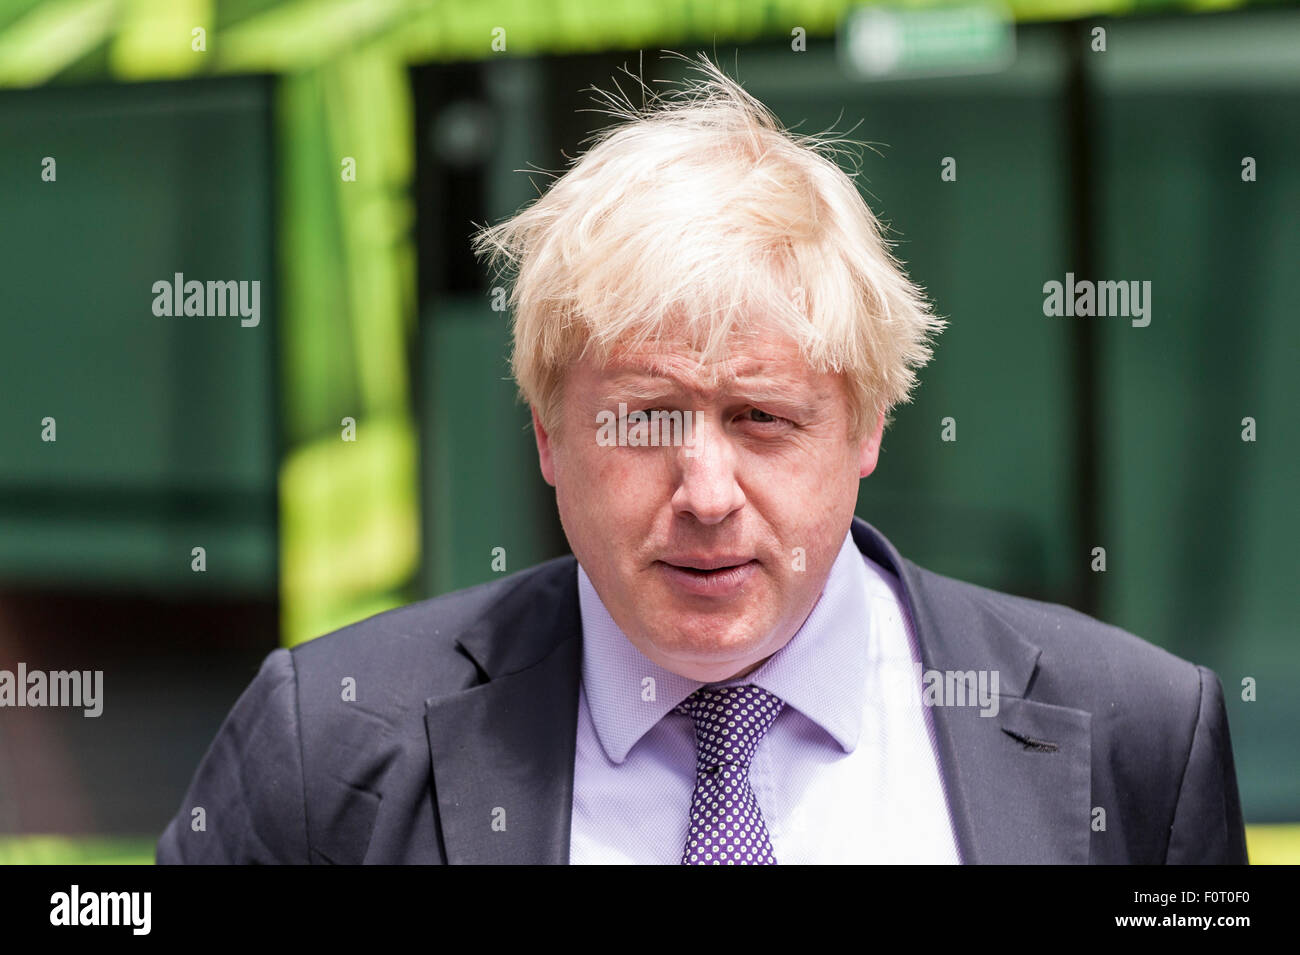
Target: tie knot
730 721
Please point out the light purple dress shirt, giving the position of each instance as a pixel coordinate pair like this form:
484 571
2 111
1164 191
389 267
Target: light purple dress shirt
847 773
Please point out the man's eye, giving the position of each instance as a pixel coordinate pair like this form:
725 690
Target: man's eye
763 417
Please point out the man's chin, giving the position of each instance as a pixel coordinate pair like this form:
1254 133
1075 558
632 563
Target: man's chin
724 652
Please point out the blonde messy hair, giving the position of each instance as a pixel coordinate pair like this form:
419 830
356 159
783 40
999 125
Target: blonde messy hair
696 214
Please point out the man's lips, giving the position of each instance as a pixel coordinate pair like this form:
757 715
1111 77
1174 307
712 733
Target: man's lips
717 562
721 576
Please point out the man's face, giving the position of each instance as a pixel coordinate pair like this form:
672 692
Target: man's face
767 489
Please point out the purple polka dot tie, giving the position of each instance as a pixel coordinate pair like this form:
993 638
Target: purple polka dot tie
727 827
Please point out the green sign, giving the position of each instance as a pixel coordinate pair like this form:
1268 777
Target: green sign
891 42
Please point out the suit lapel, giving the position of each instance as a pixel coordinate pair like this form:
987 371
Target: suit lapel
503 764
502 751
1018 782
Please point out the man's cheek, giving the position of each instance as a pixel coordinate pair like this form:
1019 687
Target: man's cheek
624 468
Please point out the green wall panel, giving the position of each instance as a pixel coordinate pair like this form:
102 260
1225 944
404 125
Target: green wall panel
165 425
1201 526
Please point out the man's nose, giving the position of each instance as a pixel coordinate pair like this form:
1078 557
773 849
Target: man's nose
707 485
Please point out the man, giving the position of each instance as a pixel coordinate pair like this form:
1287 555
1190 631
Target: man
732 668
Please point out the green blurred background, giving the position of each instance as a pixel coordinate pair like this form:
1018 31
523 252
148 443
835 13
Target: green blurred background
225 154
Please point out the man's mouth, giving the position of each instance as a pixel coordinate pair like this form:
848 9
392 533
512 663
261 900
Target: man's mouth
710 576
707 563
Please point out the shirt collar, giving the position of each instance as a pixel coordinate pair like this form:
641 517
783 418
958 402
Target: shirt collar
821 671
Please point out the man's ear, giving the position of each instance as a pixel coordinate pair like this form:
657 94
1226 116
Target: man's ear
869 449
544 457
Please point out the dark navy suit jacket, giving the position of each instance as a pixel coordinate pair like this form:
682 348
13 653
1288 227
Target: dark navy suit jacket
466 713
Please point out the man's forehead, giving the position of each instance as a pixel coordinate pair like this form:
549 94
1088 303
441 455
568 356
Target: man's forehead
769 359
690 374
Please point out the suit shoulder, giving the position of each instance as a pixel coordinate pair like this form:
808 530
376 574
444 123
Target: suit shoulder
414 646
1075 646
